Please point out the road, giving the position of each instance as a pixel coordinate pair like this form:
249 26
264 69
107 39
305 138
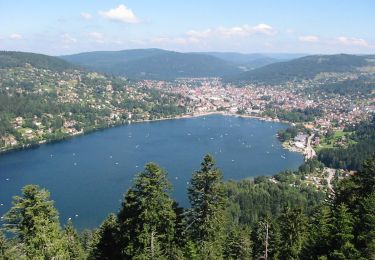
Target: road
309 151
331 173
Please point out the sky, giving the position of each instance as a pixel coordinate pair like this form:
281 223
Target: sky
264 26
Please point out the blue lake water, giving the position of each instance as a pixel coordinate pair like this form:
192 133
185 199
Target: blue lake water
88 175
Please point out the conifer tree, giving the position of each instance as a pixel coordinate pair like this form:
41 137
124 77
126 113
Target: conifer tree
319 239
147 218
34 220
342 236
106 244
266 239
74 245
206 217
366 237
89 240
3 246
237 244
293 227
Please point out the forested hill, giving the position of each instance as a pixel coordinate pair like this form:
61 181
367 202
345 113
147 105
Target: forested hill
154 64
306 68
9 59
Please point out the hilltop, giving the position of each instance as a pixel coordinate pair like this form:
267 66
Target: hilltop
9 59
168 65
307 68
154 64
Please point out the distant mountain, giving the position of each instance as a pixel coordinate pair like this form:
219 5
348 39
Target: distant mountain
244 61
154 64
10 59
235 57
305 68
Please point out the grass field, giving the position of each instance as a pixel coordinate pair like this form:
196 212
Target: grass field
338 139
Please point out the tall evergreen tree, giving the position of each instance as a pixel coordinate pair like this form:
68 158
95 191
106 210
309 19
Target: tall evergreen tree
293 227
3 246
74 245
266 239
237 245
34 220
106 244
342 235
147 218
206 216
89 240
356 193
319 242
366 237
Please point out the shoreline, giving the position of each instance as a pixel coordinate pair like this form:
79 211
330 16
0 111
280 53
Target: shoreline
185 116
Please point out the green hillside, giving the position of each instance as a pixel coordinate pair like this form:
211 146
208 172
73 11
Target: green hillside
155 64
305 68
9 59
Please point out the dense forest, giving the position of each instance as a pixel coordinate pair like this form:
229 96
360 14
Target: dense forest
11 59
154 64
305 68
295 115
352 87
351 157
257 219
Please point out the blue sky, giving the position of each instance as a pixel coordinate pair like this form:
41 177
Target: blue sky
71 26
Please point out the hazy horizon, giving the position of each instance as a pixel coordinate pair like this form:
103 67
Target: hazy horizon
209 51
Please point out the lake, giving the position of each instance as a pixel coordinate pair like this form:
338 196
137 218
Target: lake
88 175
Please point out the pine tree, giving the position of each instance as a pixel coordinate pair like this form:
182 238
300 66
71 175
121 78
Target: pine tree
206 216
342 235
319 242
106 244
34 220
356 193
147 218
3 246
237 244
266 239
74 245
89 240
293 227
191 251
366 237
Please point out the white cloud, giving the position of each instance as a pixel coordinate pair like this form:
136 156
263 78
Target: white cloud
236 31
120 14
352 41
97 36
290 30
263 28
16 36
200 34
86 16
68 39
309 38
176 40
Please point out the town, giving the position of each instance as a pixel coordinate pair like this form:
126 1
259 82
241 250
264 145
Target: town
88 101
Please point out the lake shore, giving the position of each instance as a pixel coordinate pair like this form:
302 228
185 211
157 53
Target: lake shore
184 116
